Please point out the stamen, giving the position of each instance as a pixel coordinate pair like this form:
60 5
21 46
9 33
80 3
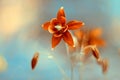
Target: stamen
58 27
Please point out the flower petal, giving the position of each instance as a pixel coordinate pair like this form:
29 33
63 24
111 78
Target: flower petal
68 38
105 65
62 20
74 24
79 34
58 34
100 42
52 25
34 60
55 41
46 25
60 13
95 53
97 32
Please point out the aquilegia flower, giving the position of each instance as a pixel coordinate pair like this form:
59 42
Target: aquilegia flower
59 28
90 37
89 40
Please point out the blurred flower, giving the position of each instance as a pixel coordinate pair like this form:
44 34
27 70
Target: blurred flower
90 38
3 64
59 28
34 60
88 41
95 37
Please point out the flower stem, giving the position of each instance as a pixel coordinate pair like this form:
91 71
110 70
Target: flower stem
71 63
72 72
60 68
105 77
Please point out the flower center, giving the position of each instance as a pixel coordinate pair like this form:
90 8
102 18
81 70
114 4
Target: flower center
58 27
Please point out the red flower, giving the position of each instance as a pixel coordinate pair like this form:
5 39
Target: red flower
59 28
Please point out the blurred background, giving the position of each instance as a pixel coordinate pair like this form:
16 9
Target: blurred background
21 36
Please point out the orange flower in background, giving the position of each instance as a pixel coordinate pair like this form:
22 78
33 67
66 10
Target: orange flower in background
90 40
95 37
59 28
90 37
